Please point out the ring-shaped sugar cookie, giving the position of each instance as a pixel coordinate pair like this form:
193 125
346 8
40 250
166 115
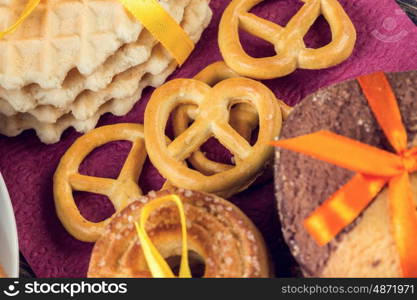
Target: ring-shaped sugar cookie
243 117
120 191
211 120
288 41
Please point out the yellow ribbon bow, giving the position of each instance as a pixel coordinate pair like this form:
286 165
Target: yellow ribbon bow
375 169
156 263
151 15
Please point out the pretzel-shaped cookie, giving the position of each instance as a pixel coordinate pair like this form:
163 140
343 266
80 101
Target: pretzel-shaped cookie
288 41
243 117
212 119
120 191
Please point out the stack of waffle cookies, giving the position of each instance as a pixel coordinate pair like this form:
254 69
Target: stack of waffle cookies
72 61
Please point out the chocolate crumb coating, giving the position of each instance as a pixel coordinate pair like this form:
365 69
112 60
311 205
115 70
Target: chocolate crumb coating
303 183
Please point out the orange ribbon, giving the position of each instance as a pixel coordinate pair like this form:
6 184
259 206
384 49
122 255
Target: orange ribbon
375 169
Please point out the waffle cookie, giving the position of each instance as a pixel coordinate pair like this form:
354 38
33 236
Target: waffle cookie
367 247
51 132
118 97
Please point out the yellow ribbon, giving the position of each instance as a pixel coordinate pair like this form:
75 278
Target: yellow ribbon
156 263
151 15
30 6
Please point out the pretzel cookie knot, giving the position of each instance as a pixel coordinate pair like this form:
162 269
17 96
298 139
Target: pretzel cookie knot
243 117
288 41
211 120
221 240
120 191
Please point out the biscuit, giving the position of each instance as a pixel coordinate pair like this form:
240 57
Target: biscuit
367 247
126 57
222 241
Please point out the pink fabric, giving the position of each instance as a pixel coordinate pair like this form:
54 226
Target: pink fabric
387 40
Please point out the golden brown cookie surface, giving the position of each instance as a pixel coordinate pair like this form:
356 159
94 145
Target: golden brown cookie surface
291 51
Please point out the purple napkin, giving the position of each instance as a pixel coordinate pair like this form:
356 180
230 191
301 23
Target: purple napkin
387 40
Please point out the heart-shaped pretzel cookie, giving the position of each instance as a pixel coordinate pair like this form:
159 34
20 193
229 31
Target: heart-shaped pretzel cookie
211 120
288 41
120 191
243 117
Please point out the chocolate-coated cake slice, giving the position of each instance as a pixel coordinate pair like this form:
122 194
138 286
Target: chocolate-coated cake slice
367 247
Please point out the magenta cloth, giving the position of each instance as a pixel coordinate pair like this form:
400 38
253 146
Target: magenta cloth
387 40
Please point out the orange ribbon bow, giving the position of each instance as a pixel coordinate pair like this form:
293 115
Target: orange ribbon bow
375 168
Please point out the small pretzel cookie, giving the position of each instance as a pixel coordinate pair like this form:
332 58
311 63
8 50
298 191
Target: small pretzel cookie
212 116
243 117
120 191
291 50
